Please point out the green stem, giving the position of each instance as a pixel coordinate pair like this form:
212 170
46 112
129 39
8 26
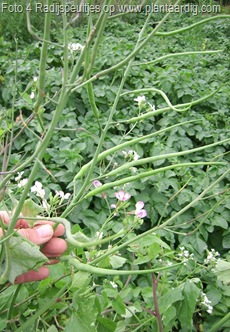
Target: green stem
162 94
81 58
217 326
130 57
12 326
132 178
161 110
172 55
43 146
100 271
176 215
134 53
121 146
104 131
103 20
42 66
93 103
175 32
160 157
24 327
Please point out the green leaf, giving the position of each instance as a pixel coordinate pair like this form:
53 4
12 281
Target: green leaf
187 308
81 279
106 325
31 209
24 256
169 315
226 240
83 319
117 261
222 271
218 220
174 295
118 305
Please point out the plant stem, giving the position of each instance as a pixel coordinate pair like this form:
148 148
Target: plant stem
121 146
176 215
100 271
172 55
160 157
175 32
24 327
156 307
217 326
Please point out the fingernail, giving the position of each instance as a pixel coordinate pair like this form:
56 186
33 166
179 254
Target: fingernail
45 231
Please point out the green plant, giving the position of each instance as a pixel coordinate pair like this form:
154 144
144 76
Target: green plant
120 132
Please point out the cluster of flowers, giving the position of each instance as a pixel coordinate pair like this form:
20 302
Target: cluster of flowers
185 255
32 95
123 196
75 47
40 191
131 154
141 100
21 182
212 257
207 303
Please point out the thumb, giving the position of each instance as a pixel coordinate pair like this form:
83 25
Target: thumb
38 235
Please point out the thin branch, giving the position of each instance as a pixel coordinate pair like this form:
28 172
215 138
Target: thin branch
156 307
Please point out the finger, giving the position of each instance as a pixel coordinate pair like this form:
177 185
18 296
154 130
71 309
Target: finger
59 231
54 248
4 216
38 235
52 261
42 273
6 219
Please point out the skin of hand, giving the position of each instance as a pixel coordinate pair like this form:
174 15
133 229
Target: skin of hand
41 234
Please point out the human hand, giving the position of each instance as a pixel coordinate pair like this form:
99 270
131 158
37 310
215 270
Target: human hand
41 234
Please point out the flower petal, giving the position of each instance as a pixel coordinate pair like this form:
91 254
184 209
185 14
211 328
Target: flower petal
97 183
141 213
122 196
139 205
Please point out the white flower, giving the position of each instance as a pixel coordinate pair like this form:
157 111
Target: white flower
37 188
99 235
185 254
212 257
169 263
74 47
140 99
35 78
207 303
113 284
62 195
32 95
19 176
45 205
22 183
131 154
152 107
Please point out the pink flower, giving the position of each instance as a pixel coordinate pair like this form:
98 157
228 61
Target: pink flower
97 183
140 213
122 196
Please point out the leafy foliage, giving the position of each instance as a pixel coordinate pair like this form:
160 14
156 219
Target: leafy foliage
190 291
